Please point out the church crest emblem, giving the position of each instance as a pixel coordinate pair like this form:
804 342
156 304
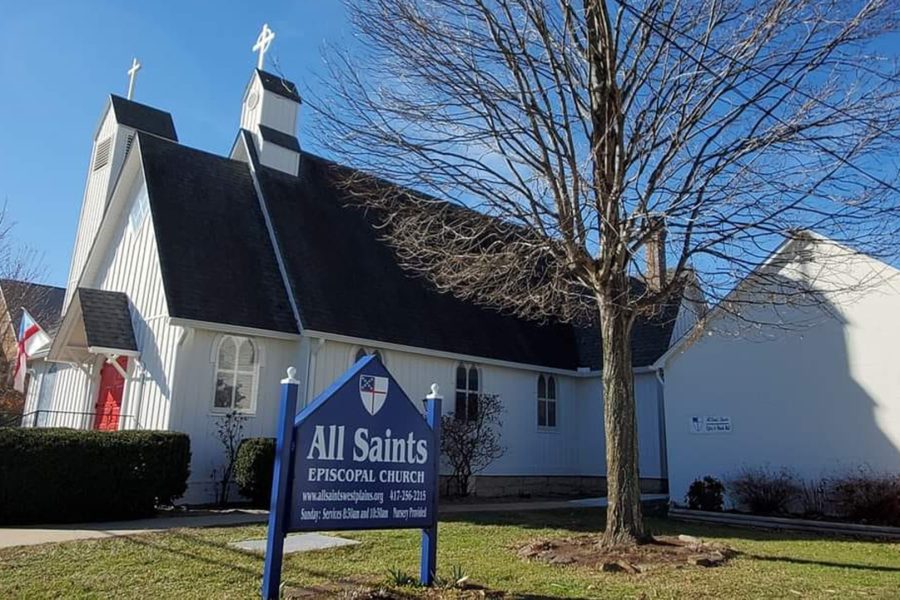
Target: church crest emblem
373 392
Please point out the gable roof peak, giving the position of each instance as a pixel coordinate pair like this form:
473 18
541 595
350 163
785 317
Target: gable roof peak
143 117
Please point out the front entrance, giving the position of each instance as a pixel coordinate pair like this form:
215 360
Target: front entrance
109 397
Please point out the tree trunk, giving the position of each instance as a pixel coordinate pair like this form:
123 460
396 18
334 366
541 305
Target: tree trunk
624 522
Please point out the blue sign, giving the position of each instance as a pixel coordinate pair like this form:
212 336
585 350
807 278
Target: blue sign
360 456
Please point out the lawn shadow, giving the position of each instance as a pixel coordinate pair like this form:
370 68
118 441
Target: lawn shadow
821 563
762 534
593 520
576 520
148 542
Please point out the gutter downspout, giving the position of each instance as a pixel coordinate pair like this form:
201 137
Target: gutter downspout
661 406
314 349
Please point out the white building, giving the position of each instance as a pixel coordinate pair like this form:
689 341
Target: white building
811 385
197 279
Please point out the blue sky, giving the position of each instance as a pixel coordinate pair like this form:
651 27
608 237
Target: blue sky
59 60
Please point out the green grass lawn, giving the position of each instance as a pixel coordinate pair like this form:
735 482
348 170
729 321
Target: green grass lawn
197 563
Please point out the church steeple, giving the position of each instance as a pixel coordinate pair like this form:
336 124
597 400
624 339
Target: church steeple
269 113
121 120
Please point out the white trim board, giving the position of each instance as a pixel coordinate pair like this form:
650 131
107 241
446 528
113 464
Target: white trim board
336 337
235 329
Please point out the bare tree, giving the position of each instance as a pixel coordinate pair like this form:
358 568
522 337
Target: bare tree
589 133
471 442
230 433
20 268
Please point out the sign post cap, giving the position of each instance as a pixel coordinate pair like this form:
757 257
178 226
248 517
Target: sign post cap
435 393
291 376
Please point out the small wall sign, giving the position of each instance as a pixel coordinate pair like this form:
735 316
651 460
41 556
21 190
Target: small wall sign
360 456
707 425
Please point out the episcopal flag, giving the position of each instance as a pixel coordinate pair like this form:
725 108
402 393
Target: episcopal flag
32 339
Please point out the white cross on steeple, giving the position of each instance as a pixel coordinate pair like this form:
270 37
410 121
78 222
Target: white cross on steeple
132 73
262 44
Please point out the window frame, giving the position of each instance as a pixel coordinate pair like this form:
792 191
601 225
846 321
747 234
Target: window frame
137 213
546 399
468 390
254 392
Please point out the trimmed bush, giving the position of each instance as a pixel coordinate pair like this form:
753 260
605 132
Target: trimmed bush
67 475
253 469
706 494
866 497
764 492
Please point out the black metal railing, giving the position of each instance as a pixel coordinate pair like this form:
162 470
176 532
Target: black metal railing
62 418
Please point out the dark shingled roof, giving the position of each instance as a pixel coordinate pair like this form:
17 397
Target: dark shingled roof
219 266
649 339
278 85
144 118
346 281
43 302
107 319
215 254
281 139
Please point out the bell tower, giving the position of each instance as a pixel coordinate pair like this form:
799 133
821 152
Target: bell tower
114 136
269 113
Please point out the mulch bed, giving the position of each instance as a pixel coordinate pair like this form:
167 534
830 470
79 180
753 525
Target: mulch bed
662 552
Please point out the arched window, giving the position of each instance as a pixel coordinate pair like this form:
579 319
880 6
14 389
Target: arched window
237 363
546 396
468 389
364 352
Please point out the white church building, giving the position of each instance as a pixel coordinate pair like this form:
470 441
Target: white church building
810 384
198 278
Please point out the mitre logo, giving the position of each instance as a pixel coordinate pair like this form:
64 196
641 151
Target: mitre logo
372 392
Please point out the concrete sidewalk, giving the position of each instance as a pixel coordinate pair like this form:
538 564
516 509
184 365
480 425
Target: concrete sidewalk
29 536
33 535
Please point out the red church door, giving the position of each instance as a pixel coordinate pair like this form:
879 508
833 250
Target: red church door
109 398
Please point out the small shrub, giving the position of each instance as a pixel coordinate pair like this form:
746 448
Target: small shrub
813 498
253 469
400 578
867 497
764 492
706 494
229 432
67 475
456 581
470 445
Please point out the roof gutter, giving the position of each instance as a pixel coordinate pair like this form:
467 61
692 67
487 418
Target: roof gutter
235 329
581 372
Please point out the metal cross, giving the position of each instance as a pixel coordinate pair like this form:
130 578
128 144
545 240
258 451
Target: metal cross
132 73
262 44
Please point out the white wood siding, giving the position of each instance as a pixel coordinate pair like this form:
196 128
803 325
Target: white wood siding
132 266
97 189
592 439
820 397
192 406
278 113
282 159
70 398
574 448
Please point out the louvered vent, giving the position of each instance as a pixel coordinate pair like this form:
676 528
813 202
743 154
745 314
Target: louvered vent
101 155
805 256
128 142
